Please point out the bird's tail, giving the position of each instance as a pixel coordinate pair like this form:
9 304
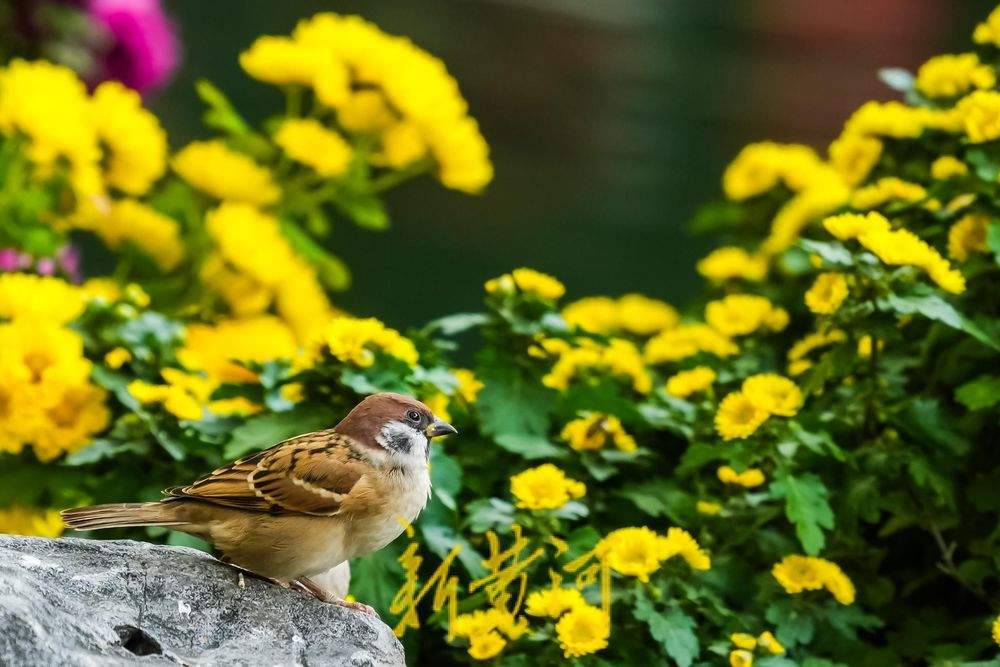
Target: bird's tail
121 515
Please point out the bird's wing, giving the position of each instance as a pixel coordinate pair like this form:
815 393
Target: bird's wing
315 474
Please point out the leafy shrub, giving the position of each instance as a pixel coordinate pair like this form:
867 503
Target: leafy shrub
798 469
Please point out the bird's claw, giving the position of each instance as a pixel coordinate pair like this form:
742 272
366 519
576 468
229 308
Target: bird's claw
357 606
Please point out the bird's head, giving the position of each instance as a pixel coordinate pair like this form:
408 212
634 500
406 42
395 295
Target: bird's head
401 425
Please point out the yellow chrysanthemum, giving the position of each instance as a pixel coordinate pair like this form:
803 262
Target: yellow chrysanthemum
284 61
769 643
808 573
636 552
137 145
889 189
130 221
740 658
827 293
967 235
182 395
595 430
748 479
527 281
618 358
738 416
31 521
902 247
708 508
948 166
597 314
213 348
773 393
980 115
117 357
78 414
690 382
402 144
679 542
553 602
851 225
225 174
743 640
888 119
544 488
738 314
307 141
48 104
854 156
950 75
731 262
39 299
100 289
487 645
356 340
996 630
825 196
644 316
468 385
583 630
797 362
685 341
988 32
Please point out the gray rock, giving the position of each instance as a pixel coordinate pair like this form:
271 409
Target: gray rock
85 602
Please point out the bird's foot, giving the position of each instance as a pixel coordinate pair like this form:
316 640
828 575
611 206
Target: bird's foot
307 585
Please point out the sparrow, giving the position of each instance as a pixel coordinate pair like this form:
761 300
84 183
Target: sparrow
304 506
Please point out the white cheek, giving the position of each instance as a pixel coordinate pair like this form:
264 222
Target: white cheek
394 432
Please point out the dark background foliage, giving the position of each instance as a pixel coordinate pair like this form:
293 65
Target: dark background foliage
609 123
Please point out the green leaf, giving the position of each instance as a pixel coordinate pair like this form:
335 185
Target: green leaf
514 410
220 115
983 163
366 210
830 251
446 477
983 392
923 418
897 78
105 448
806 507
697 455
791 625
935 308
488 513
993 240
271 428
673 629
387 374
659 497
458 323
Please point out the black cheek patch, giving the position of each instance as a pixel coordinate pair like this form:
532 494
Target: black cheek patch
400 442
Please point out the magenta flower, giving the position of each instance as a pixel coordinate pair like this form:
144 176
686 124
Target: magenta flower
143 50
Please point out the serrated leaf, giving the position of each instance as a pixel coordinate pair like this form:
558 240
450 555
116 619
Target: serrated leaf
514 411
935 308
831 251
924 419
993 241
806 507
983 392
488 513
791 625
673 629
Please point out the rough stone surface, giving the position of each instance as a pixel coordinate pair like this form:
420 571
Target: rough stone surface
85 602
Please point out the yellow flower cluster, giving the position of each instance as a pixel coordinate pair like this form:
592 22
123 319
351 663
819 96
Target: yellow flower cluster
619 358
356 341
488 631
130 221
967 235
729 262
633 313
899 247
49 106
639 552
688 340
46 398
748 479
988 32
950 75
215 169
19 520
594 431
527 281
827 293
306 140
948 166
469 385
380 85
743 314
979 113
807 573
742 412
854 156
762 166
553 602
583 630
686 383
255 266
746 644
544 488
890 189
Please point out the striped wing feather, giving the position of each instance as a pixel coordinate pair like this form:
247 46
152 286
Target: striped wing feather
309 474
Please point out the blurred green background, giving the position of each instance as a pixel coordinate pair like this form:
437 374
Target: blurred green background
610 121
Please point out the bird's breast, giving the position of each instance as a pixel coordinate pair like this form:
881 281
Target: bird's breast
401 497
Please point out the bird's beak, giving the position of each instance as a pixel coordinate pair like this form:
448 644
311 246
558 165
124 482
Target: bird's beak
438 427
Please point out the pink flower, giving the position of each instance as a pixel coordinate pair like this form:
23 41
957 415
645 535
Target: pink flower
143 50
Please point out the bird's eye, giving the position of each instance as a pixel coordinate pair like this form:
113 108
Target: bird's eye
413 416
